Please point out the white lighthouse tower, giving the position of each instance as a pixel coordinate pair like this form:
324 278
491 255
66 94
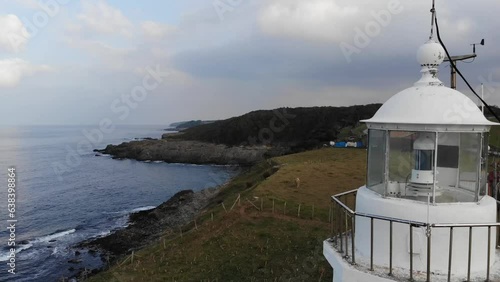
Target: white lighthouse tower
424 213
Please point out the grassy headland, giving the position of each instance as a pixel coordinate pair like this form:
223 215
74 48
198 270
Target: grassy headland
261 226
246 243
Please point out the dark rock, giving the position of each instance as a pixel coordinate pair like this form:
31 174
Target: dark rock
75 261
77 253
71 269
24 242
52 241
147 226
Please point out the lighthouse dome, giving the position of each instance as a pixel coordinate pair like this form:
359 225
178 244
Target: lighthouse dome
428 102
437 105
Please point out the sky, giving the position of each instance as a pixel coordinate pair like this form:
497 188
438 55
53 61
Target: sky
71 62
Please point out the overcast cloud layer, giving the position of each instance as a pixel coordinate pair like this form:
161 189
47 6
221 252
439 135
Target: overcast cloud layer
77 62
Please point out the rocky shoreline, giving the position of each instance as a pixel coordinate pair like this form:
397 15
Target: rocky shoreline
191 152
146 227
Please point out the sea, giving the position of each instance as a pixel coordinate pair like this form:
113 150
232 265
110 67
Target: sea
65 193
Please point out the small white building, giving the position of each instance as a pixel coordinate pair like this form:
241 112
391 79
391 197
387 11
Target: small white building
424 213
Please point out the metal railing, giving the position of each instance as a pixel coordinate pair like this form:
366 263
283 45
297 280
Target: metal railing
343 222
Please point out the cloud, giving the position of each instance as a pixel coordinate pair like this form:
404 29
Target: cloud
102 18
331 21
156 31
12 71
109 56
30 4
13 34
323 20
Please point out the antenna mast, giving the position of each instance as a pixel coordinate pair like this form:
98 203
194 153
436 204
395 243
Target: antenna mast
433 19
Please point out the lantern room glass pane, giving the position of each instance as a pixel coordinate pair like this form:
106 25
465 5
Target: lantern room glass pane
470 150
401 155
448 155
484 166
376 160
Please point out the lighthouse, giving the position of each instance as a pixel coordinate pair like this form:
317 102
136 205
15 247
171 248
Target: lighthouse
424 213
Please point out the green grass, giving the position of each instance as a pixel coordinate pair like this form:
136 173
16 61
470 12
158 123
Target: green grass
247 244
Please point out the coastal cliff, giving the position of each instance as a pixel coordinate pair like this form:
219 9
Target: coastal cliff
193 152
147 226
250 138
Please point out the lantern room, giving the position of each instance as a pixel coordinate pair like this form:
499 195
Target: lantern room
428 142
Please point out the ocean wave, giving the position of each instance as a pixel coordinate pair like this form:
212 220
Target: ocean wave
146 208
57 234
103 155
104 233
4 256
126 212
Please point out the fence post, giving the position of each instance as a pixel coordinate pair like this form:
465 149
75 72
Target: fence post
371 244
339 226
353 234
428 252
470 254
330 220
489 254
411 252
390 248
450 254
346 237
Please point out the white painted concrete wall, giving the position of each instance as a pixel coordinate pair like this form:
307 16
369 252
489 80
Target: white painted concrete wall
343 271
372 203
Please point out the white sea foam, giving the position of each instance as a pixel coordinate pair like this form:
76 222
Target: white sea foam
143 209
126 212
4 256
54 236
104 233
